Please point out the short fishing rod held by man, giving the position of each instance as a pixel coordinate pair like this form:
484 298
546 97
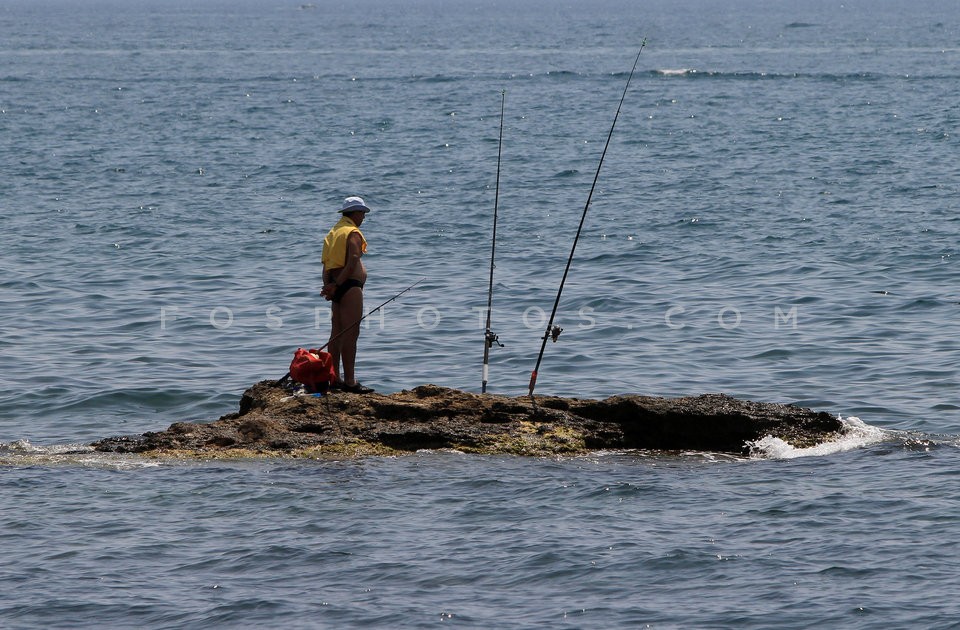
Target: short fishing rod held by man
489 338
356 323
552 331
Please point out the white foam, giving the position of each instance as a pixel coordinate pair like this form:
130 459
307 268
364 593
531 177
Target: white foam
855 434
24 447
116 462
23 453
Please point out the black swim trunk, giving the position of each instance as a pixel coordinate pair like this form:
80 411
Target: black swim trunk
343 288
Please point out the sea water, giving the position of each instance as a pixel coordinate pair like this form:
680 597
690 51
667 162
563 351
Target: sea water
775 218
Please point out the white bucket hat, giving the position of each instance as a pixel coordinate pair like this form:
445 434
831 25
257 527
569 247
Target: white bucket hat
354 204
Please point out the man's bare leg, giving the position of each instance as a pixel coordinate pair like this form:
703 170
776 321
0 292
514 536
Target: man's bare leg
351 310
334 344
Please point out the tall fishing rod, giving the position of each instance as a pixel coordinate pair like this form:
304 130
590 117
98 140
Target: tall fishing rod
488 337
553 332
356 323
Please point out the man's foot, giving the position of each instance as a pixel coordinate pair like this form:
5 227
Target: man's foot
355 388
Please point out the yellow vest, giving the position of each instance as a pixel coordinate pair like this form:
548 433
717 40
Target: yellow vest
335 244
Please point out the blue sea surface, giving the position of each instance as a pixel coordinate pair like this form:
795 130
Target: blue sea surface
776 218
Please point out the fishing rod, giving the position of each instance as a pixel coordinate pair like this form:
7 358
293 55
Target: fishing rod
488 337
553 332
356 323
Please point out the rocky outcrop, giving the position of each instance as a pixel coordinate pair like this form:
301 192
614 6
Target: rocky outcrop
272 422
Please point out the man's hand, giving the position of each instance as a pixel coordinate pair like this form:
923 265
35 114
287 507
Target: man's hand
328 290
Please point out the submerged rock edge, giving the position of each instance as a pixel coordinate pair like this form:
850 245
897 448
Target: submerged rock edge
272 423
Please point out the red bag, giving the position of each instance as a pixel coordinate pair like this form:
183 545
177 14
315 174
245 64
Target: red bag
313 368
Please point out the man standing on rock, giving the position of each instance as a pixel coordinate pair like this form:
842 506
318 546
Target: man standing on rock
343 278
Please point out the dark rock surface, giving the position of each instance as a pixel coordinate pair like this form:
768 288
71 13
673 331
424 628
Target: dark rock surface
271 422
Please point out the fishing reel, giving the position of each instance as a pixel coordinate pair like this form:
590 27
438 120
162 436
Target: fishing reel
554 333
492 339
